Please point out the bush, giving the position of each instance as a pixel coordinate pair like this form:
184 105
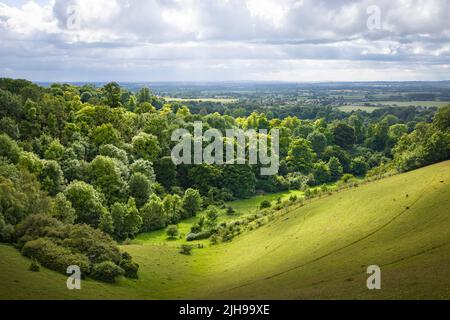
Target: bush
265 204
172 231
106 271
53 256
130 268
198 236
93 243
34 266
6 231
214 239
230 211
186 249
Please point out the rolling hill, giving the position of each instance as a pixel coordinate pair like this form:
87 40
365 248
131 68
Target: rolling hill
318 251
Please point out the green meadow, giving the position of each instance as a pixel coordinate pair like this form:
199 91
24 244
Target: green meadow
318 251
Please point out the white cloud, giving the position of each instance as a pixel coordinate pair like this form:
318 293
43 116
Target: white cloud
225 39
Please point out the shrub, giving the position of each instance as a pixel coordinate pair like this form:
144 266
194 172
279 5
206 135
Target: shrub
106 271
6 231
265 204
95 244
198 236
186 249
214 239
34 266
230 211
130 268
347 177
53 256
172 231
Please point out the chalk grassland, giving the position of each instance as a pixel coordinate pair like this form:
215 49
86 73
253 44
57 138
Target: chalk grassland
319 251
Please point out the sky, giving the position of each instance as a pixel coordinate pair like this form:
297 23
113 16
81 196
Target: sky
225 40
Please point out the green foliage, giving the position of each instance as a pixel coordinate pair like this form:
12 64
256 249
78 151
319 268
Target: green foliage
140 188
105 134
106 271
111 93
300 156
126 219
442 119
173 208
30 162
146 146
56 246
321 172
52 177
54 256
186 249
9 126
130 268
204 176
166 172
172 231
86 201
55 151
239 179
359 166
112 151
153 214
336 169
6 231
192 203
63 210
318 141
344 135
145 167
34 266
105 174
265 204
425 145
9 148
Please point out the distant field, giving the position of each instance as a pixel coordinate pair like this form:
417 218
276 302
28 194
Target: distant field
218 100
318 251
369 109
426 104
351 108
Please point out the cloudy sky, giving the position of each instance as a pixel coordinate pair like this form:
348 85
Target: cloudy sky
213 40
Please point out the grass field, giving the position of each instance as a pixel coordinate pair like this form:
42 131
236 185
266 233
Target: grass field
319 251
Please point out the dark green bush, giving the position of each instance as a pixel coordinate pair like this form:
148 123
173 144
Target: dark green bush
54 256
265 204
186 249
198 236
106 271
34 266
172 231
130 268
95 244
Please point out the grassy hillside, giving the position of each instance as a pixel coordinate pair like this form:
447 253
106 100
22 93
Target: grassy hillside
318 251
